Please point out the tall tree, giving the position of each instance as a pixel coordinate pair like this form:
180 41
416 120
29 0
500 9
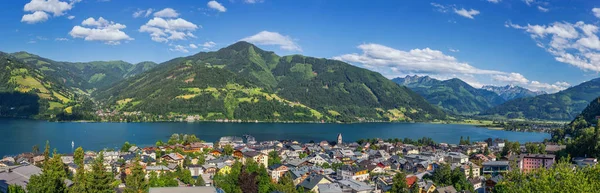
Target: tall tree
35 149
13 188
136 181
99 180
286 184
227 150
399 183
79 183
47 151
51 179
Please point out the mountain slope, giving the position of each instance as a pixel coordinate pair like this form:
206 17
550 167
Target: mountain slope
27 92
244 82
452 95
563 105
592 111
510 92
86 76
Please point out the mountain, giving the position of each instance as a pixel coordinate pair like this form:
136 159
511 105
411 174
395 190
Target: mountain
563 105
244 82
592 111
510 92
86 76
453 95
27 92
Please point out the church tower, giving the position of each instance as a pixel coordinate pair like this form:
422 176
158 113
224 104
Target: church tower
339 139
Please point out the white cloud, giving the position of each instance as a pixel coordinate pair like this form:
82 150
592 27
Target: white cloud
61 39
163 30
596 12
193 46
542 9
31 42
209 44
551 88
166 13
70 17
575 44
466 13
35 17
253 1
179 48
511 78
393 63
529 2
140 13
41 8
453 50
103 30
217 6
494 1
273 38
439 7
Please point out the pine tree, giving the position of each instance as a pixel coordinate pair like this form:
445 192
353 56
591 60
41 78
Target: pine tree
99 180
79 183
200 181
52 178
136 181
399 183
15 189
286 184
47 151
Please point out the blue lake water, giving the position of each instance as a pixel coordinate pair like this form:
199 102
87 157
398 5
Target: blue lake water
17 135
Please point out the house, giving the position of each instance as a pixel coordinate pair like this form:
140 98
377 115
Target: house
552 149
467 168
300 173
495 167
185 189
216 152
210 168
159 169
456 157
196 170
447 189
498 143
133 149
17 175
476 183
277 171
582 162
491 183
38 160
329 188
111 156
311 182
230 140
193 147
258 157
354 186
426 186
530 162
175 158
238 154
353 172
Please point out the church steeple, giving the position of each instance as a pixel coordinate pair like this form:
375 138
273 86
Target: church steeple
339 139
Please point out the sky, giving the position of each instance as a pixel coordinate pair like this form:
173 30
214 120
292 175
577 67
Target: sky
546 45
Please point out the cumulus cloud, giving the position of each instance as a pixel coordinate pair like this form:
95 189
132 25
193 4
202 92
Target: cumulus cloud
216 6
466 13
558 86
453 50
164 30
41 8
439 7
596 12
193 46
273 38
393 63
101 29
179 48
166 13
575 44
35 17
140 13
70 17
209 44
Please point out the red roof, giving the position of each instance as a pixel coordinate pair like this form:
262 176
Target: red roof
411 180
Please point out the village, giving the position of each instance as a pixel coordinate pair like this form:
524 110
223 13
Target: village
322 167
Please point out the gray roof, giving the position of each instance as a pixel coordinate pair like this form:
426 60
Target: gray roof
198 189
311 181
496 163
19 175
355 185
329 188
447 189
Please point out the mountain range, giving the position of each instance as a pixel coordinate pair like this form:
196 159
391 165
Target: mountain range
244 82
453 95
241 82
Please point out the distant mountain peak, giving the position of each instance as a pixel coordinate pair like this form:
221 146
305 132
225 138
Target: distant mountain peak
239 46
512 91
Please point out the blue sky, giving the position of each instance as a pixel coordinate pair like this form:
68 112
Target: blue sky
538 44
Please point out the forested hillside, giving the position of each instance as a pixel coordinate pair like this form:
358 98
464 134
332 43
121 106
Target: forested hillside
244 82
563 105
453 95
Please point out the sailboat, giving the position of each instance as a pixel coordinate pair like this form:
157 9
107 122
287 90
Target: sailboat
72 144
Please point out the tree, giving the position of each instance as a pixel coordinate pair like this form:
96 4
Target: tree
274 158
470 171
174 139
228 149
126 146
200 181
136 181
13 188
79 183
52 178
486 151
47 151
99 180
286 184
248 182
159 143
35 149
399 183
303 155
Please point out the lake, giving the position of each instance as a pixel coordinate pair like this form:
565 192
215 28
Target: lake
18 135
